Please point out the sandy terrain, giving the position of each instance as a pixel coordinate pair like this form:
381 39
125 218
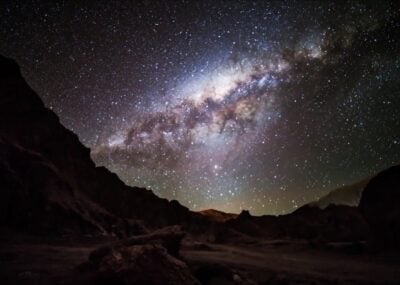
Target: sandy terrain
268 263
297 262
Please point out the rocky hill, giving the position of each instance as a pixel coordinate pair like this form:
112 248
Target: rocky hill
48 180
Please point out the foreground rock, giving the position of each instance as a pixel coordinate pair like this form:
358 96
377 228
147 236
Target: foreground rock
145 259
170 238
137 264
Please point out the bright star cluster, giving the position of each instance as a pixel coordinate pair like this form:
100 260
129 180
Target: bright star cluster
220 104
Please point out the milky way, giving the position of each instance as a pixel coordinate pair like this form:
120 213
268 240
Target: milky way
217 114
224 105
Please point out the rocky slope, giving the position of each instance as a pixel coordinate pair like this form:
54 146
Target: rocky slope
217 216
48 180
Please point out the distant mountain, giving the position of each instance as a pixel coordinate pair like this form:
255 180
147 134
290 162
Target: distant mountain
334 223
375 219
48 181
349 195
217 216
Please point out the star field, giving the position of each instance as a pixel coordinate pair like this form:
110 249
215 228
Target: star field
220 104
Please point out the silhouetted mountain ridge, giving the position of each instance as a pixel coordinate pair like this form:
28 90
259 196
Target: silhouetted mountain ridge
218 216
48 173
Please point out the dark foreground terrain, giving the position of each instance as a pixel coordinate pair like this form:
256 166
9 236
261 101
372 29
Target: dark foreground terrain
268 262
65 221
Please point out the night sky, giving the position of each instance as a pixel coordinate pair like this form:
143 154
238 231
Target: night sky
219 104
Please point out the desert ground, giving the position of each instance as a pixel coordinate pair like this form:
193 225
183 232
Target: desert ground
54 261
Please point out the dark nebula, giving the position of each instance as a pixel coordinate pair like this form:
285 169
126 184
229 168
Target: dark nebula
220 104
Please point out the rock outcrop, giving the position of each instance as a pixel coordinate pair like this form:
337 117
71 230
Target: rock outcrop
217 216
136 264
48 180
380 207
145 259
170 238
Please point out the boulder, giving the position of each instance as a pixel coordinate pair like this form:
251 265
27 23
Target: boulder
170 238
136 264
